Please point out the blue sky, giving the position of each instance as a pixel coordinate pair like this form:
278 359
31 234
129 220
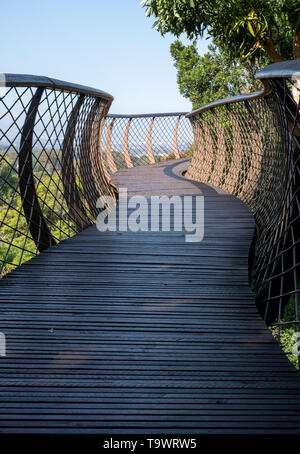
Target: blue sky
106 44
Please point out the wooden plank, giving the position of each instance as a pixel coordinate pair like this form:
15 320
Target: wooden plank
143 332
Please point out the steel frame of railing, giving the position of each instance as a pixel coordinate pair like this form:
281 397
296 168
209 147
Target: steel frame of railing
131 140
51 166
249 145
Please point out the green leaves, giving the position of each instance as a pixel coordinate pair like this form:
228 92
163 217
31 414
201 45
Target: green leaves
178 16
250 28
203 79
16 245
246 30
292 9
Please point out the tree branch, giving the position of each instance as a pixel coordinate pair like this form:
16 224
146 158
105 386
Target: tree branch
296 44
272 52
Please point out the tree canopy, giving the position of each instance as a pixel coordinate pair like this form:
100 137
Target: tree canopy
246 29
204 79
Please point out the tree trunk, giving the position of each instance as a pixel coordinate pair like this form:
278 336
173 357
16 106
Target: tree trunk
296 44
272 52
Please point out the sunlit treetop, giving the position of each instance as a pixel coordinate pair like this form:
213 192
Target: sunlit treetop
247 29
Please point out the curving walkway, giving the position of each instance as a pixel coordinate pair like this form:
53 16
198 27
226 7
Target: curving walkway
142 332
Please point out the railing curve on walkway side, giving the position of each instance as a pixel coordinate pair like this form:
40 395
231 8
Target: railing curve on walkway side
51 170
249 145
132 140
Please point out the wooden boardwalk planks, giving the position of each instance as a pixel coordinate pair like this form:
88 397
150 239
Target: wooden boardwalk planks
143 332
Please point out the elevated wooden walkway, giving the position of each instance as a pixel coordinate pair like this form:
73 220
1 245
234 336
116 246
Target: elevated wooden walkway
125 332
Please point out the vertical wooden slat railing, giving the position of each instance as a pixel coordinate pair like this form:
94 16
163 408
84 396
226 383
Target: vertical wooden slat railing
133 140
149 143
127 156
110 159
175 137
71 193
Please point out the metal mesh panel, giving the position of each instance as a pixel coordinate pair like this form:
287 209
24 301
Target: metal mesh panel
129 141
250 147
49 144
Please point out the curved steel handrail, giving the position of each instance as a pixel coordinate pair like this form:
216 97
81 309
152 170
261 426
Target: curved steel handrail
28 80
281 70
227 101
148 115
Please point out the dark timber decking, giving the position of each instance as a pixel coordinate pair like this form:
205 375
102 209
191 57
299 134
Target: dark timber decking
144 332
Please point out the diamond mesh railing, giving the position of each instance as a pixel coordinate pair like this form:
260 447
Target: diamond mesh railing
59 146
249 145
51 171
133 140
